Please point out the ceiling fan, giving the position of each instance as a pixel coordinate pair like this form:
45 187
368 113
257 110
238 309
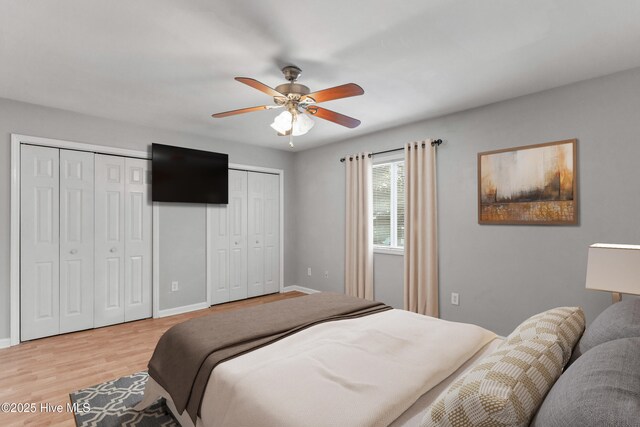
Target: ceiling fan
299 104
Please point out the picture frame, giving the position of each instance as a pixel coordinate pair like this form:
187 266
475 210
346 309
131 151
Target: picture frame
529 185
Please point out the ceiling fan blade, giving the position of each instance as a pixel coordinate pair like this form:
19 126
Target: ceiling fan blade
332 116
260 86
244 110
344 91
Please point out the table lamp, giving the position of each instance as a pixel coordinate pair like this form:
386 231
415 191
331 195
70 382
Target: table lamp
614 268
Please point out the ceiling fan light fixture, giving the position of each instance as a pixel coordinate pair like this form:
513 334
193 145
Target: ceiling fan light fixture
282 122
302 124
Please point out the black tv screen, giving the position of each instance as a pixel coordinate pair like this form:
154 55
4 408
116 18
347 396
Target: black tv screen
189 176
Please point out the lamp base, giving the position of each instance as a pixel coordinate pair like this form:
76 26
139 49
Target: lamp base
616 297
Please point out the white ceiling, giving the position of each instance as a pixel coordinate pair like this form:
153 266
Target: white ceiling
170 64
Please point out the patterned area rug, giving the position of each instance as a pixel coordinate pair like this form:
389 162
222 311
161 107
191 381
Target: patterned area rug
111 404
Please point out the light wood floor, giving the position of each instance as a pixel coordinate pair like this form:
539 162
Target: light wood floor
48 369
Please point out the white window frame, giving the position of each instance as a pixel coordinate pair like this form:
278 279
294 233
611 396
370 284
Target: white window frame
392 249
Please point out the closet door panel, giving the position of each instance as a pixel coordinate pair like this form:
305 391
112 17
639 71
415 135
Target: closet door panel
137 241
271 233
109 240
256 257
237 211
76 240
39 242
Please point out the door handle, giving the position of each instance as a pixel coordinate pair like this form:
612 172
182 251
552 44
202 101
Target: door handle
257 242
114 250
73 251
236 243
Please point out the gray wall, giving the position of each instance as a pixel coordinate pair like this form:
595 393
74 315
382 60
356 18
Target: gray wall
503 273
182 227
185 245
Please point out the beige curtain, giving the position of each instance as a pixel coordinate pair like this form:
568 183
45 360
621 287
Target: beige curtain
421 240
359 228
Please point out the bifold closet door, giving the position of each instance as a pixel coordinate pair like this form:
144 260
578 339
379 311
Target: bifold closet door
39 242
256 184
264 233
271 233
109 240
237 209
228 234
76 240
123 240
137 247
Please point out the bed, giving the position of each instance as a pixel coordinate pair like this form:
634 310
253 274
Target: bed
388 367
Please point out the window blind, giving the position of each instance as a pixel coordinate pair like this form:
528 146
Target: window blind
388 204
382 204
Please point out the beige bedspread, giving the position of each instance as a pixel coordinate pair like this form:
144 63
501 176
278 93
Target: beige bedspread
187 353
360 372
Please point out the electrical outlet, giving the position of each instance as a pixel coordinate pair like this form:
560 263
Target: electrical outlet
174 286
326 274
455 298
309 271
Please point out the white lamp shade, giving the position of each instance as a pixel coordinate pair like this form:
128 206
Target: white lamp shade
614 268
301 123
282 122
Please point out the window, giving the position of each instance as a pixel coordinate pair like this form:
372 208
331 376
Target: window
388 205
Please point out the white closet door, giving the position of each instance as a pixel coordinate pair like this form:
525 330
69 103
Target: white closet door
109 240
237 209
228 234
76 240
271 233
256 234
137 247
39 242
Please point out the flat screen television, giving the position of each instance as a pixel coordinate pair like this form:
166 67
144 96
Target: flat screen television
189 176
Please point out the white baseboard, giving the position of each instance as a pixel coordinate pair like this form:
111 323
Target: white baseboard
203 305
5 342
299 289
181 310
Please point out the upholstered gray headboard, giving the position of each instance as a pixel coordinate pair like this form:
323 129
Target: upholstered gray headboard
601 386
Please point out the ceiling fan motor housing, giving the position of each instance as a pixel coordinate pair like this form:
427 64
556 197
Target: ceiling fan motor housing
293 89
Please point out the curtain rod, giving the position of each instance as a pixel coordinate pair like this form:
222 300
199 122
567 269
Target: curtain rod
434 143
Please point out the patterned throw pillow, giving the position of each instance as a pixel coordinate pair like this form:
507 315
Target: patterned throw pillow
562 324
507 387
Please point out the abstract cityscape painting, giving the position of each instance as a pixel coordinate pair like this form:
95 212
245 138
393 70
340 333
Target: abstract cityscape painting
535 184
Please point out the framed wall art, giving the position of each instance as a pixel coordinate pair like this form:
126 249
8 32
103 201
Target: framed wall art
534 184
